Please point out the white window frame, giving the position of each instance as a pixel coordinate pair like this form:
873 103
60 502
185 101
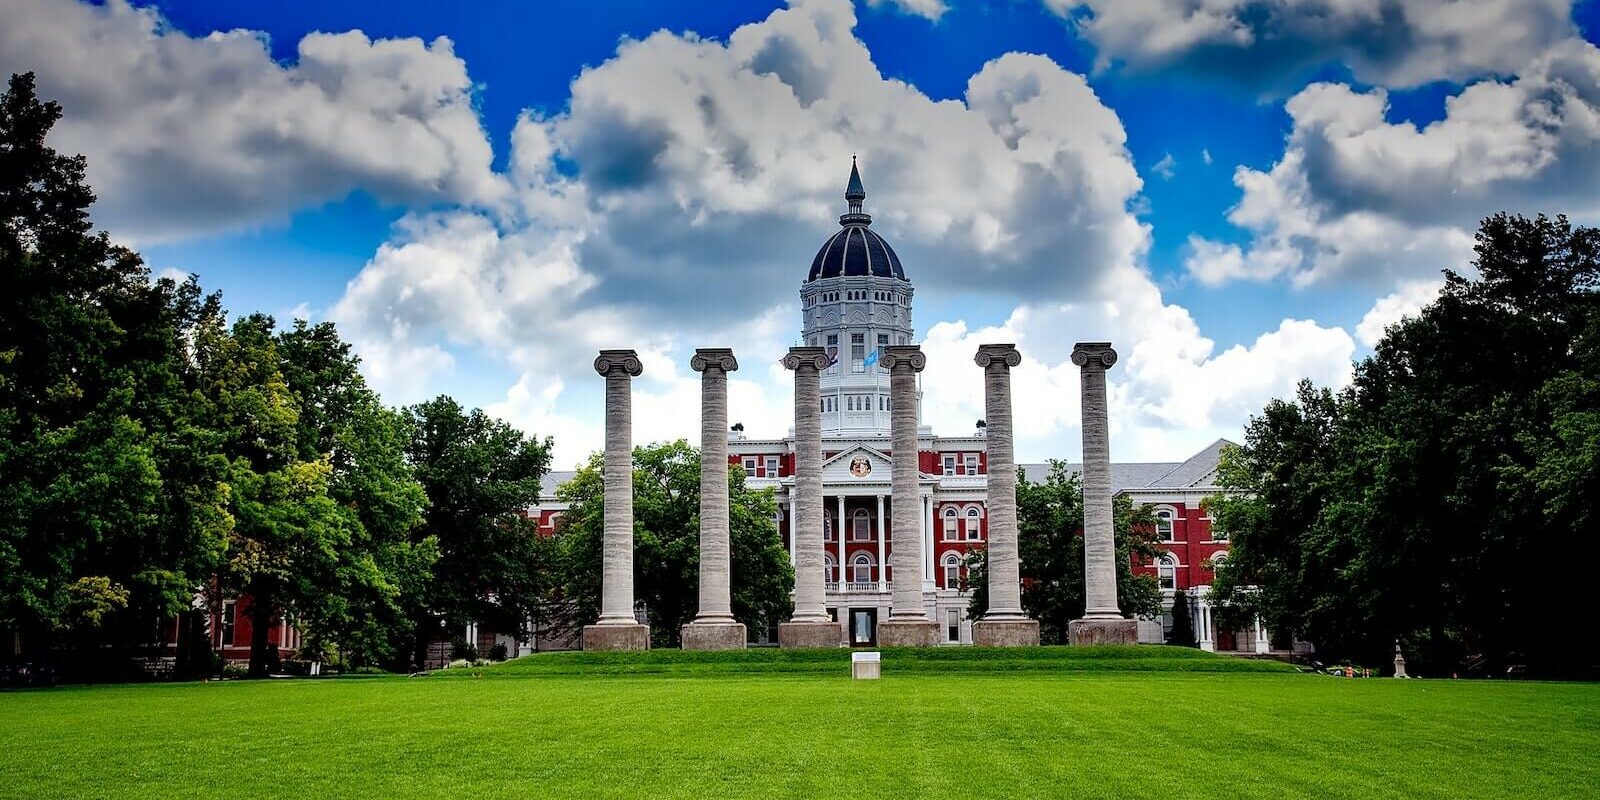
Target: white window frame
1167 570
950 566
860 526
952 625
972 463
859 561
974 526
1170 516
952 526
750 466
949 464
830 568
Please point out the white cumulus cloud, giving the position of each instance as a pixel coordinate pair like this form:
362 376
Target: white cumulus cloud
190 135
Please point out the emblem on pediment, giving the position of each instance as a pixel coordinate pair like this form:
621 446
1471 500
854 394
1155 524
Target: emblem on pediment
860 467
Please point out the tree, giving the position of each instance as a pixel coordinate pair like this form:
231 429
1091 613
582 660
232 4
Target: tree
1182 634
1050 547
1425 501
666 507
114 510
343 421
480 475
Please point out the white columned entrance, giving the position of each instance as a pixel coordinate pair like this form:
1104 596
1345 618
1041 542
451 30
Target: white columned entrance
883 566
1203 618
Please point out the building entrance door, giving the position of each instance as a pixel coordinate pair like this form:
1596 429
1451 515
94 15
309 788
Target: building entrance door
863 627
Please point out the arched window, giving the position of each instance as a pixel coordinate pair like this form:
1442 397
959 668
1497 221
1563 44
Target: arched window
1164 517
973 528
830 568
860 526
827 528
951 521
861 568
1167 571
952 571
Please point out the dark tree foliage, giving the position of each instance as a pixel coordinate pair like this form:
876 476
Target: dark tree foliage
1050 548
479 475
1426 502
666 507
112 506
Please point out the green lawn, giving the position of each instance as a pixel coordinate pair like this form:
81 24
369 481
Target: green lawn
1047 723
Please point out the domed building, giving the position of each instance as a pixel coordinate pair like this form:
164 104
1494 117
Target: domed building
856 299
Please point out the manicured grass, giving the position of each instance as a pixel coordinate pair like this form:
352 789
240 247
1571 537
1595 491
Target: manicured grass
933 727
1143 658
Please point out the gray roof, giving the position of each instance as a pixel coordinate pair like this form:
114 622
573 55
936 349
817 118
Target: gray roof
553 479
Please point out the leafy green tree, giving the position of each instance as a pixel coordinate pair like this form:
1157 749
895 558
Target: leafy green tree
666 507
114 508
1050 547
343 421
479 475
1425 502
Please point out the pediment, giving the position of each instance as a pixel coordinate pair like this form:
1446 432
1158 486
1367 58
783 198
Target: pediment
858 464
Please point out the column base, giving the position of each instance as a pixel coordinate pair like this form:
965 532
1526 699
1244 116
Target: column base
616 637
908 633
713 636
1005 633
1102 631
793 635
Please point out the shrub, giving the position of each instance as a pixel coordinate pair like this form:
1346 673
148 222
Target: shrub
498 652
461 650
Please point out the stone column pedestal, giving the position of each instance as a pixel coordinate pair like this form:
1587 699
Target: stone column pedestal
714 627
908 624
1102 621
617 629
810 626
1004 623
1103 631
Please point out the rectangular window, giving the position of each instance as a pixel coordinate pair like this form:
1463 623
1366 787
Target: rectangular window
861 528
952 625
858 352
833 353
950 529
972 464
972 527
749 466
883 342
228 619
949 465
772 466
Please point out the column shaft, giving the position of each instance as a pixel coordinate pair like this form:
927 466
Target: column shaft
716 590
616 585
806 526
1005 579
905 361
1099 544
883 566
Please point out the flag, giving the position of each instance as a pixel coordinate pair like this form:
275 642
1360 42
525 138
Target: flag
833 356
872 358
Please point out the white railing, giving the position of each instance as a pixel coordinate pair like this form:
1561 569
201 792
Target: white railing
862 586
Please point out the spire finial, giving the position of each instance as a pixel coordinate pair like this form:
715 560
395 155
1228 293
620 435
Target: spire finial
854 192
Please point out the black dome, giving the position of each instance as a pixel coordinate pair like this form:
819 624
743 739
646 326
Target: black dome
856 250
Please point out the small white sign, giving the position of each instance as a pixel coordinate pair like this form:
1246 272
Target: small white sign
864 658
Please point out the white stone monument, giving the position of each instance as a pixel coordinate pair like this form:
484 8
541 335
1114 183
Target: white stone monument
617 628
908 624
810 626
714 627
1102 621
1004 623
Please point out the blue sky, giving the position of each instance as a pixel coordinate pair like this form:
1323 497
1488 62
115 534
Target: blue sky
1238 195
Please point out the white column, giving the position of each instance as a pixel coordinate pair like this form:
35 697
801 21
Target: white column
716 583
1099 547
619 367
838 530
806 547
929 568
1263 644
1005 581
906 602
883 566
1203 617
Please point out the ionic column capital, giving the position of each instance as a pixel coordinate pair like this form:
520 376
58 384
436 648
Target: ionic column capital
1094 355
619 362
799 356
904 355
707 357
998 354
